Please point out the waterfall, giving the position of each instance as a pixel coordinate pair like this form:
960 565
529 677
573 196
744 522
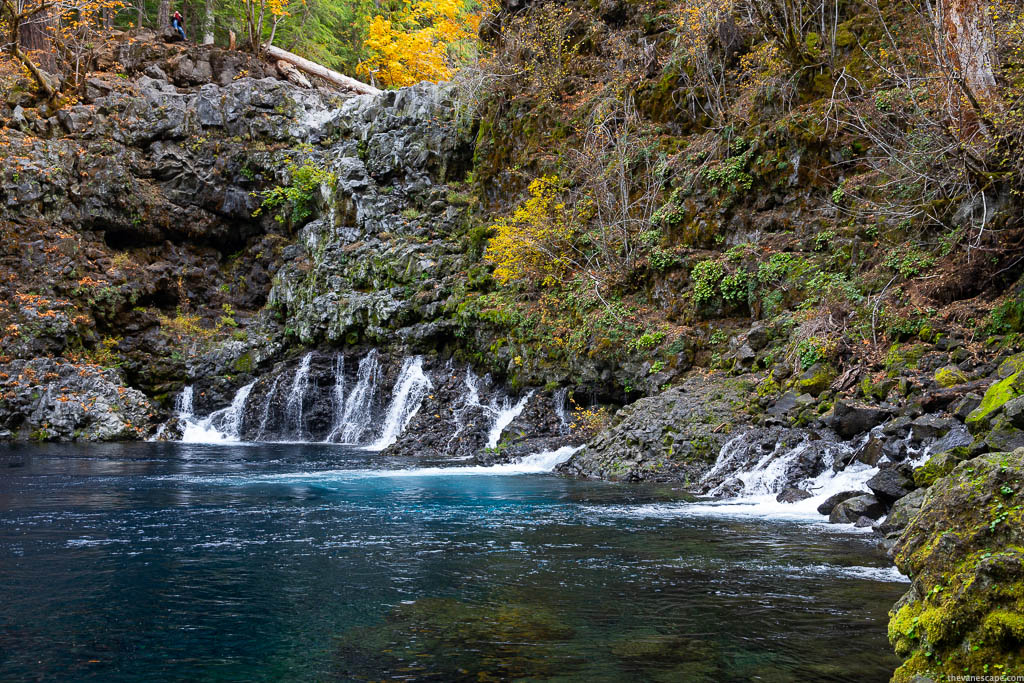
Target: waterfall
559 399
410 388
503 418
358 413
338 394
293 406
267 402
221 425
769 474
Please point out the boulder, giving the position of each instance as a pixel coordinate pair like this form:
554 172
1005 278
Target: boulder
757 337
901 513
929 427
890 485
852 509
1013 411
832 501
792 494
939 465
965 552
949 375
871 452
850 419
965 405
815 379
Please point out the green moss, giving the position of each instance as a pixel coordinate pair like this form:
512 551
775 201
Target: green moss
965 551
996 396
950 376
939 465
243 363
816 380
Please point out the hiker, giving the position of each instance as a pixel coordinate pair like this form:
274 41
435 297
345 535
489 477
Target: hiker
178 24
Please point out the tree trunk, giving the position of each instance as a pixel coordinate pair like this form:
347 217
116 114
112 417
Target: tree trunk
208 24
163 15
964 33
321 71
34 39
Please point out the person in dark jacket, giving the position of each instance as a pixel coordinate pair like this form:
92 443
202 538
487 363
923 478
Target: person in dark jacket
179 25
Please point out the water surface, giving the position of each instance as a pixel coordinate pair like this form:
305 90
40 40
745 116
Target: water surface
290 562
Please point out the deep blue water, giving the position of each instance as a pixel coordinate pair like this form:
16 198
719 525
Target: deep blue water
148 562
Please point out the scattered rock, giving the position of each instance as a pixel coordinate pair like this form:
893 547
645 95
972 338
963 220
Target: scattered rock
792 495
890 485
929 427
852 509
851 419
832 501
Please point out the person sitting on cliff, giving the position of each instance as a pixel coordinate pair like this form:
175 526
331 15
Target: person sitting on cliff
178 23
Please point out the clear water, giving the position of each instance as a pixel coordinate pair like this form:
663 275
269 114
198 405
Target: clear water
299 563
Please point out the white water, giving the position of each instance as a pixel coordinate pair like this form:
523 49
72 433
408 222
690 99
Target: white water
338 396
763 481
294 406
407 396
358 413
267 402
538 463
561 410
224 425
503 418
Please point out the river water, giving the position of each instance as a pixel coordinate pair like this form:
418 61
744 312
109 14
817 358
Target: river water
297 562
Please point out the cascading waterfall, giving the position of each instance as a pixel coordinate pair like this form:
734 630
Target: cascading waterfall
358 413
221 425
338 393
267 402
294 405
407 396
503 418
763 480
560 399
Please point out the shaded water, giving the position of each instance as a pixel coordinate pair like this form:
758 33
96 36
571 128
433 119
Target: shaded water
166 561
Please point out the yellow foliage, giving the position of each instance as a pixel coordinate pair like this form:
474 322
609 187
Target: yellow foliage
535 241
417 44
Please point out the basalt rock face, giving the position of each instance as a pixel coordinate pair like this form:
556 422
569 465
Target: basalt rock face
963 550
132 232
49 400
674 436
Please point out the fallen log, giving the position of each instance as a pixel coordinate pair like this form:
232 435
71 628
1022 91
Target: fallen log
321 71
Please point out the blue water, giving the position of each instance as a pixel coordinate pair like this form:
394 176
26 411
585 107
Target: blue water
301 563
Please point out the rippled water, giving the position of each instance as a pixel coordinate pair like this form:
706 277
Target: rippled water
297 562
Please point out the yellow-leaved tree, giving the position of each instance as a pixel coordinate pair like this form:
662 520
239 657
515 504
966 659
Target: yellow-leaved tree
422 42
536 241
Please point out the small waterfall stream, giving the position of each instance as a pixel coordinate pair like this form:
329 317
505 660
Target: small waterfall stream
221 425
504 416
358 411
296 397
410 388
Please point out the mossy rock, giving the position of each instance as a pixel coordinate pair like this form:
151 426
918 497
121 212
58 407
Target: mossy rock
815 380
965 552
1011 366
939 465
996 396
950 376
243 363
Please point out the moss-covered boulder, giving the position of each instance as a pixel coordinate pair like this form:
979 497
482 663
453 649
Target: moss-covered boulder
939 465
997 395
815 379
949 376
964 552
